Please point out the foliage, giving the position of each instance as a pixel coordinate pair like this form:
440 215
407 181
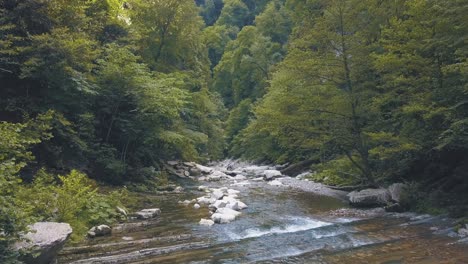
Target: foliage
72 198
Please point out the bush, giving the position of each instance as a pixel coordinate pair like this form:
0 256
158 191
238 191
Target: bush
73 199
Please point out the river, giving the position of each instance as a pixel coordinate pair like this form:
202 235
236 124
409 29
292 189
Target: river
282 224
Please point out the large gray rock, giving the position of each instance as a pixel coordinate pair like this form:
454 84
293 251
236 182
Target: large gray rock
101 230
44 242
397 191
370 197
148 213
203 169
270 175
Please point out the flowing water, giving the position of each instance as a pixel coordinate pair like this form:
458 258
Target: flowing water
281 225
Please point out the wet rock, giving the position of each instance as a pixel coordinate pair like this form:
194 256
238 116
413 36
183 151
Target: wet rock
203 188
125 238
205 200
190 164
206 222
224 215
100 230
148 213
275 183
44 242
270 175
370 197
218 204
239 177
397 190
179 189
217 194
463 232
204 170
195 172
232 192
196 206
394 208
186 202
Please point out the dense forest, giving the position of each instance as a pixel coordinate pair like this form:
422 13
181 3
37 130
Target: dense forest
365 92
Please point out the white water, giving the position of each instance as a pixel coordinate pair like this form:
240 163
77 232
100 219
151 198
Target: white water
300 224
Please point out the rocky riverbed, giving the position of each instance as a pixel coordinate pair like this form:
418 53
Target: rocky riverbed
233 212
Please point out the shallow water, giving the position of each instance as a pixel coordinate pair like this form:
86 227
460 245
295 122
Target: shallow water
281 225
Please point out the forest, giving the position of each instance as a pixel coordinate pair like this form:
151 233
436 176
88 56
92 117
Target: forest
103 92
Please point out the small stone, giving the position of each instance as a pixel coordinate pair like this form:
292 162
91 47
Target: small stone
127 238
206 222
196 206
148 213
101 230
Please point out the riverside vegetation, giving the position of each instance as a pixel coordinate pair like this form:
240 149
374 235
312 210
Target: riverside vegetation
102 92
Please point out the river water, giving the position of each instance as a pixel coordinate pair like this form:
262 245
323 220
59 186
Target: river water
281 225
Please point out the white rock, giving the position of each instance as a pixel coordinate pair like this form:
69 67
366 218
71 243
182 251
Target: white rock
242 183
186 202
205 200
241 205
204 169
206 222
224 215
44 242
219 204
271 174
240 177
203 188
101 230
217 194
148 213
275 183
233 206
196 206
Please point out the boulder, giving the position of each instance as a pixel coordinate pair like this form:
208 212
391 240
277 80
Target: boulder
397 190
206 222
195 172
224 215
275 183
217 194
218 204
100 230
44 242
205 200
203 169
370 197
270 175
189 164
148 213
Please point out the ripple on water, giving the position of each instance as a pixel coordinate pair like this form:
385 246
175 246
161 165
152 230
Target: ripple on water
295 224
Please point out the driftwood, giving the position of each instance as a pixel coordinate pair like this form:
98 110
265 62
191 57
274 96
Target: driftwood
298 168
141 254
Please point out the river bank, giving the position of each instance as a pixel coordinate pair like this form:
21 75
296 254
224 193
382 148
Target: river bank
287 220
